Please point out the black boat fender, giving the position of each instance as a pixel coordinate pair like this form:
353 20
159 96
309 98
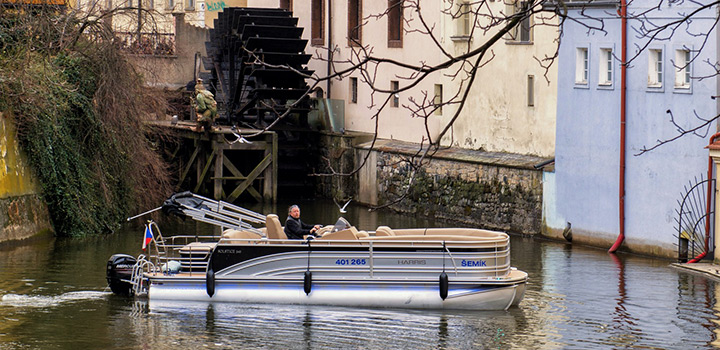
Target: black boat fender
443 285
307 283
210 278
307 279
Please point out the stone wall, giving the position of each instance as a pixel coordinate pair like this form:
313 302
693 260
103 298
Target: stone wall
23 217
473 188
23 213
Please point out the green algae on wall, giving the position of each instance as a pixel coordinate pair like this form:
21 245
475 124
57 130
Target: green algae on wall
23 213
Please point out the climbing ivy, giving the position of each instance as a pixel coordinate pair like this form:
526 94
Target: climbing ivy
85 139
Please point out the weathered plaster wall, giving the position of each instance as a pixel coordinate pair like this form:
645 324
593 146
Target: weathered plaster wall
496 117
23 213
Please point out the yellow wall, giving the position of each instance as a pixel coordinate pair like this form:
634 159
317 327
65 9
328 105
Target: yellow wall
16 178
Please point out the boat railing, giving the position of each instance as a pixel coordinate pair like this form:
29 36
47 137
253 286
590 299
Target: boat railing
193 251
491 261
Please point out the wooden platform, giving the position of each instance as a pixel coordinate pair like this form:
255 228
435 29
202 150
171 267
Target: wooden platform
211 152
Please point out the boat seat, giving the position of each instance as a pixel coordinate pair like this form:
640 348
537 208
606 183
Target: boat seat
198 248
362 234
384 231
274 228
347 234
240 234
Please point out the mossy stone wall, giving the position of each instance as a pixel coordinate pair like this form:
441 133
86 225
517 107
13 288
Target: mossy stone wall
498 191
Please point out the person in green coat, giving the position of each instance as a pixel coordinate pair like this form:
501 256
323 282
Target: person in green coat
205 107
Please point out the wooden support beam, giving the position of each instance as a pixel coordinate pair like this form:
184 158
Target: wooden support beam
188 166
201 177
218 178
251 177
239 176
270 183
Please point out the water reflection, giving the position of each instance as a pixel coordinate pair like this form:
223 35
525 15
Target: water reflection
577 298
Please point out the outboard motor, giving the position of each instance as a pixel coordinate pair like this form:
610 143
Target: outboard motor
119 271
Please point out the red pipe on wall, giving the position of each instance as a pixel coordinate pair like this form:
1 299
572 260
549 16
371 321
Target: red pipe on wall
708 205
623 102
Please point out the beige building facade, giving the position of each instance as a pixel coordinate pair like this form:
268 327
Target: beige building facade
510 107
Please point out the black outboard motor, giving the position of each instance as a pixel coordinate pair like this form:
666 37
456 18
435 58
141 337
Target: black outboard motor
119 271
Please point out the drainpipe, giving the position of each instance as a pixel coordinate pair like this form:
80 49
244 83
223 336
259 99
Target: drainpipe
623 103
330 49
708 205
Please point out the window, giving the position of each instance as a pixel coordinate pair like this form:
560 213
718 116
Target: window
682 69
655 68
190 5
286 5
395 23
437 99
523 32
581 66
531 90
353 90
318 23
354 22
395 100
463 19
606 67
171 4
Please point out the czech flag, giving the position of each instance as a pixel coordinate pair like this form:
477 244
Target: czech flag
147 237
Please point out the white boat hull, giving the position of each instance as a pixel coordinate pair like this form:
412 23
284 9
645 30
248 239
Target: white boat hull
372 294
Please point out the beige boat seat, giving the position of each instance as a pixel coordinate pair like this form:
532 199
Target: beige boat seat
197 248
384 231
274 228
362 234
342 235
240 234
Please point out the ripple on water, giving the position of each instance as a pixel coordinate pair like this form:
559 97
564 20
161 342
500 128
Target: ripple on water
44 301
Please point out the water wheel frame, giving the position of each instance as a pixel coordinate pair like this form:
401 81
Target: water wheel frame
257 61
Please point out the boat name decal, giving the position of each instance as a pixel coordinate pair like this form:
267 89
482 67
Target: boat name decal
351 262
473 263
412 262
229 251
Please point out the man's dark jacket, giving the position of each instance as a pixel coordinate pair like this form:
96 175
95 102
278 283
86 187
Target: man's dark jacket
295 228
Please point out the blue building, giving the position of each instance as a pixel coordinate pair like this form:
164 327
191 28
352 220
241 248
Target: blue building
670 75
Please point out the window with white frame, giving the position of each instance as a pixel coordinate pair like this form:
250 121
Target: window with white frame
655 68
682 69
190 5
606 67
582 66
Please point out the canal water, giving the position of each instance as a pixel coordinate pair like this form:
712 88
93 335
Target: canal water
53 295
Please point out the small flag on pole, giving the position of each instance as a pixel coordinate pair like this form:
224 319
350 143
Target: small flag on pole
147 237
